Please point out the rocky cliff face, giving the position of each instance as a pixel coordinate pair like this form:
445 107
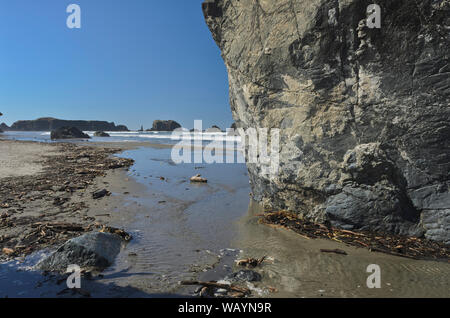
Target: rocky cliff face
364 113
47 124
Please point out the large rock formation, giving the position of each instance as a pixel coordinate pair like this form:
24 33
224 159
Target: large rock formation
364 113
48 124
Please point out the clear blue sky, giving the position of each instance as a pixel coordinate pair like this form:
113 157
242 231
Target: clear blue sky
132 61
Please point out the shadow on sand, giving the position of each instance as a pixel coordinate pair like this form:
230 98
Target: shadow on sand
17 283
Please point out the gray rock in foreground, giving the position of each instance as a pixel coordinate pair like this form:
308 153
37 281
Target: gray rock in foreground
244 275
91 251
363 113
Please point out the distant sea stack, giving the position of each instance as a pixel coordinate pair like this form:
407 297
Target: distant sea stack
48 124
4 127
363 113
165 125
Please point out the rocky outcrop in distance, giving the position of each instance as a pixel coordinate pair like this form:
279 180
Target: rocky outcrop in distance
101 134
363 113
4 127
48 124
164 125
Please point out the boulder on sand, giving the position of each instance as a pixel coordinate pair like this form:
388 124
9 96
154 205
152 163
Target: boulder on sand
91 251
101 134
244 275
68 133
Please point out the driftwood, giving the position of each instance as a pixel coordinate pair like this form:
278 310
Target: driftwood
337 251
250 262
60 226
397 245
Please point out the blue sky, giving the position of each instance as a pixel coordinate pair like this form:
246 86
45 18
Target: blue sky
132 61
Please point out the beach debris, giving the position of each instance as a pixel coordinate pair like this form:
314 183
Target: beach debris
60 201
404 246
272 289
8 251
213 288
198 178
336 251
250 262
100 194
66 173
124 235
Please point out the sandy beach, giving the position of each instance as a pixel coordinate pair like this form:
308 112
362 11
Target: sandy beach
46 192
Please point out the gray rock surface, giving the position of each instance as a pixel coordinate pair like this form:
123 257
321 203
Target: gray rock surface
364 113
244 275
68 133
91 251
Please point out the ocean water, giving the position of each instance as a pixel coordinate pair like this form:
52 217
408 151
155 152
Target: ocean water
130 136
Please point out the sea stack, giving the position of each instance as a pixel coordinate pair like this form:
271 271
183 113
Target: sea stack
68 133
165 125
363 112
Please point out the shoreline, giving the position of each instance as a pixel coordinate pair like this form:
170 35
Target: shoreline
54 191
